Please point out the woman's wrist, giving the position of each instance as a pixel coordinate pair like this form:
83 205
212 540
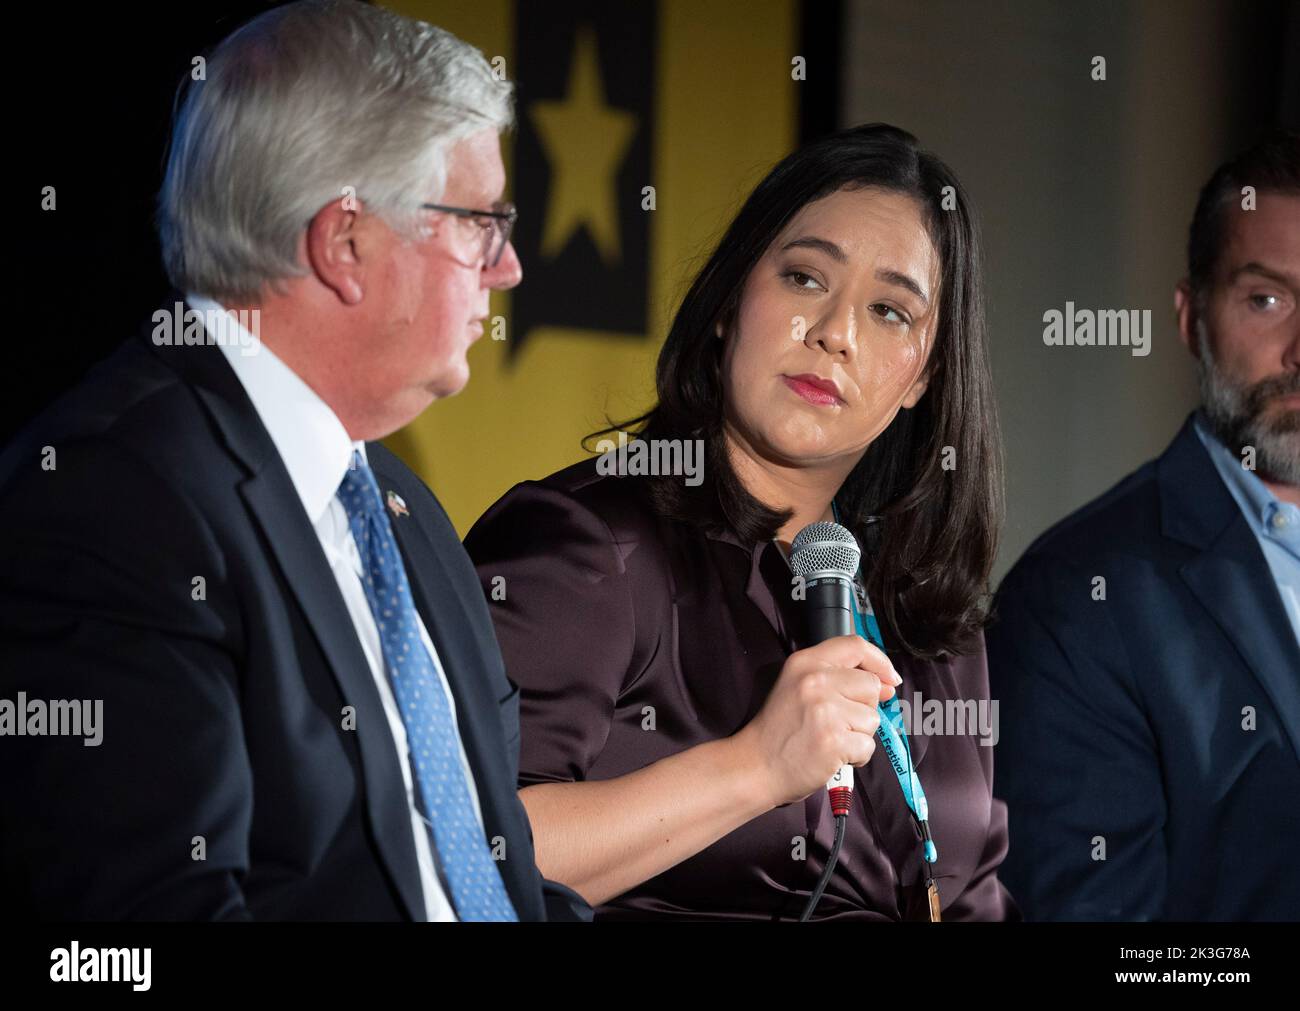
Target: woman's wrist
747 770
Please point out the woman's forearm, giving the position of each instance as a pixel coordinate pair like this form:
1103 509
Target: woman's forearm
604 837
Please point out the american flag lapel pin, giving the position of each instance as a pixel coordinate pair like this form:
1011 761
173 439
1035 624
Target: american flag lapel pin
396 506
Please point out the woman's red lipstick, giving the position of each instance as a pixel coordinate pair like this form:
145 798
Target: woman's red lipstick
815 389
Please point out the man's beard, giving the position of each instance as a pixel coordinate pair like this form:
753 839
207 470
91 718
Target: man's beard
1236 413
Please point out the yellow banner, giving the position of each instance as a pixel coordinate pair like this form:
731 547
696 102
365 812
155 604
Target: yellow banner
695 100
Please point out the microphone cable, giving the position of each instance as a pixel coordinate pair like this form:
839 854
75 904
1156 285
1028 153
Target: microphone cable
841 820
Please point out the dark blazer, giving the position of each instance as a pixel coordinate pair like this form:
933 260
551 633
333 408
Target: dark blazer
633 638
224 717
1125 719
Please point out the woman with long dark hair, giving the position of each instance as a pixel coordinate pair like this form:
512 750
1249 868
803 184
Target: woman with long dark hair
677 729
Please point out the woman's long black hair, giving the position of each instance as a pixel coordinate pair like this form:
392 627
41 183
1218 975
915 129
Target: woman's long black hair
927 568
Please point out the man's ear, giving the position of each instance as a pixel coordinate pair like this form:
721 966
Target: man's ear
1185 309
334 250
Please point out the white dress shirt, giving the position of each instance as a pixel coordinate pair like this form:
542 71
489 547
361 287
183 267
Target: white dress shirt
316 450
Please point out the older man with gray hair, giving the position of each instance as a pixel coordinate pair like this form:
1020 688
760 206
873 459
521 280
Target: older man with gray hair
305 713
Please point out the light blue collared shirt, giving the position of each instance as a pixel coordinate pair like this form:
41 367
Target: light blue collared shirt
1275 524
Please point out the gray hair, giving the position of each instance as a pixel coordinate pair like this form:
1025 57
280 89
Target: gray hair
298 104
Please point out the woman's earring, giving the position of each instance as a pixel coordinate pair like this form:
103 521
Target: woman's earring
717 328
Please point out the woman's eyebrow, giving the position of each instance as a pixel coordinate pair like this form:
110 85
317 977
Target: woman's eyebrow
895 277
825 245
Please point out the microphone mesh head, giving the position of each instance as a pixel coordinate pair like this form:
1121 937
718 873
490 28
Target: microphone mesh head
824 547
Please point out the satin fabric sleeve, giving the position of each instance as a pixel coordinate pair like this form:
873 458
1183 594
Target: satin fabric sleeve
559 595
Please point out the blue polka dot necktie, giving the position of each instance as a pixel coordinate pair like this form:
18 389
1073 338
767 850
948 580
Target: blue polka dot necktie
476 885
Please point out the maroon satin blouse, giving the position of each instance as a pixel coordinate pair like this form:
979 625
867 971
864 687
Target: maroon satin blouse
609 609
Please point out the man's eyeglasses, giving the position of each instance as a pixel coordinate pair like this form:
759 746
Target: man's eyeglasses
495 225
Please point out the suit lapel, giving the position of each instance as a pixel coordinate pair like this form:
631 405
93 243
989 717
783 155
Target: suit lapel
1229 573
1227 581
275 506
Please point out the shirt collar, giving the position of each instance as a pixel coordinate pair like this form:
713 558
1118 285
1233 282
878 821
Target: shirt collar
308 435
1258 504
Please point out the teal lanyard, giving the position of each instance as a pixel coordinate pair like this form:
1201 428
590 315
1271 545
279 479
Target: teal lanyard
892 733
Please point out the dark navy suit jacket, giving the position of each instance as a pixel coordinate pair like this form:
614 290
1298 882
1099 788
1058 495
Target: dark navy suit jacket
224 729
1158 727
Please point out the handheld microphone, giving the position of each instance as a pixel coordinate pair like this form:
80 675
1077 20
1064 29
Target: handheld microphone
826 556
